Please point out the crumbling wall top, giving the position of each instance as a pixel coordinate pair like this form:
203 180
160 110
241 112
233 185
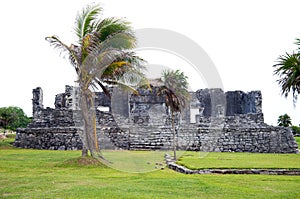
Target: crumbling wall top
37 101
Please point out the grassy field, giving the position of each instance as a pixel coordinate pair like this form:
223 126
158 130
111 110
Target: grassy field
298 141
194 160
197 160
62 174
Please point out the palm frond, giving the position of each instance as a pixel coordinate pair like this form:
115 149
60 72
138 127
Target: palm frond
111 26
70 51
288 70
120 41
85 20
128 76
116 67
175 90
105 63
109 33
298 44
123 85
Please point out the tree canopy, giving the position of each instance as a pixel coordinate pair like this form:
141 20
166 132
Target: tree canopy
284 120
13 117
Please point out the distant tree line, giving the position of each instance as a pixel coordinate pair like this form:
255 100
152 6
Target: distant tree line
13 117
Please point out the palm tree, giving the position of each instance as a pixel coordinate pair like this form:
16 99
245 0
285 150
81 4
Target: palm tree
288 70
101 55
284 120
175 92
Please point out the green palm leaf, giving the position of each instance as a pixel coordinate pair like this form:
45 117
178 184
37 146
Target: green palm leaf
298 43
175 90
70 51
288 70
84 21
110 26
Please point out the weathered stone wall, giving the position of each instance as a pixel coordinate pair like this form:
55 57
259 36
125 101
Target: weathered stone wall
55 138
214 102
231 121
259 140
49 117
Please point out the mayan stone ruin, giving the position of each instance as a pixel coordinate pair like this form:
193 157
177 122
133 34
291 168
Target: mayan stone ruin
214 121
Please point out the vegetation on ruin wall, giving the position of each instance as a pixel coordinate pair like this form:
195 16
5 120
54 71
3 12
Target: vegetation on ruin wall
61 174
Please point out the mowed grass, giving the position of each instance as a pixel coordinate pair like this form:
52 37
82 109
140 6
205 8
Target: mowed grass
195 160
200 160
298 141
28 173
136 161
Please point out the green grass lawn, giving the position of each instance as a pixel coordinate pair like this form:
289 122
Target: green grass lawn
298 141
136 161
26 173
194 160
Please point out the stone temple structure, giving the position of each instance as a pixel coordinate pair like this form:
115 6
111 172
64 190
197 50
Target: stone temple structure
214 121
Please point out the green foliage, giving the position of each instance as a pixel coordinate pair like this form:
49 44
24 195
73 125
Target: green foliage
111 26
84 21
13 117
296 129
288 71
175 90
6 143
102 44
284 120
35 174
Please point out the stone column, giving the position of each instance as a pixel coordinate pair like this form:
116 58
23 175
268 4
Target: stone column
37 101
258 106
258 102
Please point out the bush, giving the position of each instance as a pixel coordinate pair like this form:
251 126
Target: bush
11 136
13 117
296 130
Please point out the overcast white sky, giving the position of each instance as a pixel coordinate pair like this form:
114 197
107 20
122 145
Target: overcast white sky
243 39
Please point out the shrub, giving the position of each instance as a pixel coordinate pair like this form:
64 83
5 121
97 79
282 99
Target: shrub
13 117
296 130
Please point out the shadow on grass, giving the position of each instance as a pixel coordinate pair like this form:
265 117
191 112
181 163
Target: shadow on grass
82 162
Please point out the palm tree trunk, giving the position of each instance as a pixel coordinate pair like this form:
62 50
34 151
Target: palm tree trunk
90 139
95 132
174 137
85 114
85 151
